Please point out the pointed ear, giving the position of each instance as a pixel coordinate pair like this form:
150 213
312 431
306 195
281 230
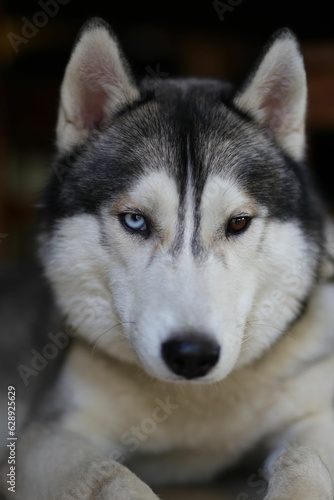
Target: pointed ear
96 82
275 94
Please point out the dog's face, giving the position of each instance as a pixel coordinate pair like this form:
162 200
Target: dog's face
177 225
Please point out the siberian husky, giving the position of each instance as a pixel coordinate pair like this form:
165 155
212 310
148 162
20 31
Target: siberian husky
193 260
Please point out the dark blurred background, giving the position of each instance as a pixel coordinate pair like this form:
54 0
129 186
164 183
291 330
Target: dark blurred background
208 38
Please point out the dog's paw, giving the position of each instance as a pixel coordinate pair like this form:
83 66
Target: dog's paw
106 480
118 489
299 474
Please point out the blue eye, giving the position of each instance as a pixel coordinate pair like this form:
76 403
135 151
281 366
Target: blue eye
134 222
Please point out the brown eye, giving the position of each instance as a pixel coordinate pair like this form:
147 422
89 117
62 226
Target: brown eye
237 225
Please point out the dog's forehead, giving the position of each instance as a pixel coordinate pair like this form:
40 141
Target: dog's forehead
190 139
179 147
158 192
189 151
189 132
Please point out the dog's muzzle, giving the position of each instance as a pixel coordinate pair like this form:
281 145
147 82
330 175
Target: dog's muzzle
191 356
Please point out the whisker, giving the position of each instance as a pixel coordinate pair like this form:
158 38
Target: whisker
258 323
109 330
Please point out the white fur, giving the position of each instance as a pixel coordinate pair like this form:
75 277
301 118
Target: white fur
78 268
243 294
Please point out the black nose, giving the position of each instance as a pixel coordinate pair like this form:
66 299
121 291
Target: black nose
190 357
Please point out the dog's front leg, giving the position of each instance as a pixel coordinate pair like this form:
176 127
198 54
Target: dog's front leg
55 464
303 467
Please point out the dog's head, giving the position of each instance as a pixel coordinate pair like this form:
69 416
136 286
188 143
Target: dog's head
180 230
